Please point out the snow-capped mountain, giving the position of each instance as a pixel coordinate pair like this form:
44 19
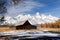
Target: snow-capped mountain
41 18
9 21
35 19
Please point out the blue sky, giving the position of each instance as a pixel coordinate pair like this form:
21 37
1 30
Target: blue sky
50 7
32 6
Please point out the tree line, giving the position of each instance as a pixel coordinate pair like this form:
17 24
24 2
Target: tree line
56 24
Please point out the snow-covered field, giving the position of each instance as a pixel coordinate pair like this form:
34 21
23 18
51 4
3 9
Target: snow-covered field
31 34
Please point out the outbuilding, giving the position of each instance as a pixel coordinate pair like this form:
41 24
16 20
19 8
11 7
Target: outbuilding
26 25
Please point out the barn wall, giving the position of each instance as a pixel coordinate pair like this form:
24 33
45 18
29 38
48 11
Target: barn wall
26 27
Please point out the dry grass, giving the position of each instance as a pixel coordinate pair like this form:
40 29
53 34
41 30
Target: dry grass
50 29
7 29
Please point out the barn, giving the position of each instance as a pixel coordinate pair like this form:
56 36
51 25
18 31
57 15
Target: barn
26 25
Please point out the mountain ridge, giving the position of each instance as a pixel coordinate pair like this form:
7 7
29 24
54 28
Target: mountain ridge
35 19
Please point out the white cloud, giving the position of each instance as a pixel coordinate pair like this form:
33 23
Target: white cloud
23 7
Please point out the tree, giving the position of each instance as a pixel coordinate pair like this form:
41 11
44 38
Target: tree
3 10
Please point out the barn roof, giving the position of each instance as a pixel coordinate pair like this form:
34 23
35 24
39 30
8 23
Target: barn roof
26 23
22 22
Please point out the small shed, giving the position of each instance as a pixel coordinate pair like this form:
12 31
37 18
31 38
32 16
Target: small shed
26 25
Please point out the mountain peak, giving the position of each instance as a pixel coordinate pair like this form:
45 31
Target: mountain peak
35 19
37 13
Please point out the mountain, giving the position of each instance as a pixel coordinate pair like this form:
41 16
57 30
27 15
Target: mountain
37 18
41 18
9 20
33 19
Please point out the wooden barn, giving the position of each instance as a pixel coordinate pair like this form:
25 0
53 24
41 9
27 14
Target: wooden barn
26 25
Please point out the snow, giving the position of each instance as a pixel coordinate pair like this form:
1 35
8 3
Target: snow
10 21
31 34
35 19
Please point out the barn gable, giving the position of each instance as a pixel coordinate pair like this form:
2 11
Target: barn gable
27 23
